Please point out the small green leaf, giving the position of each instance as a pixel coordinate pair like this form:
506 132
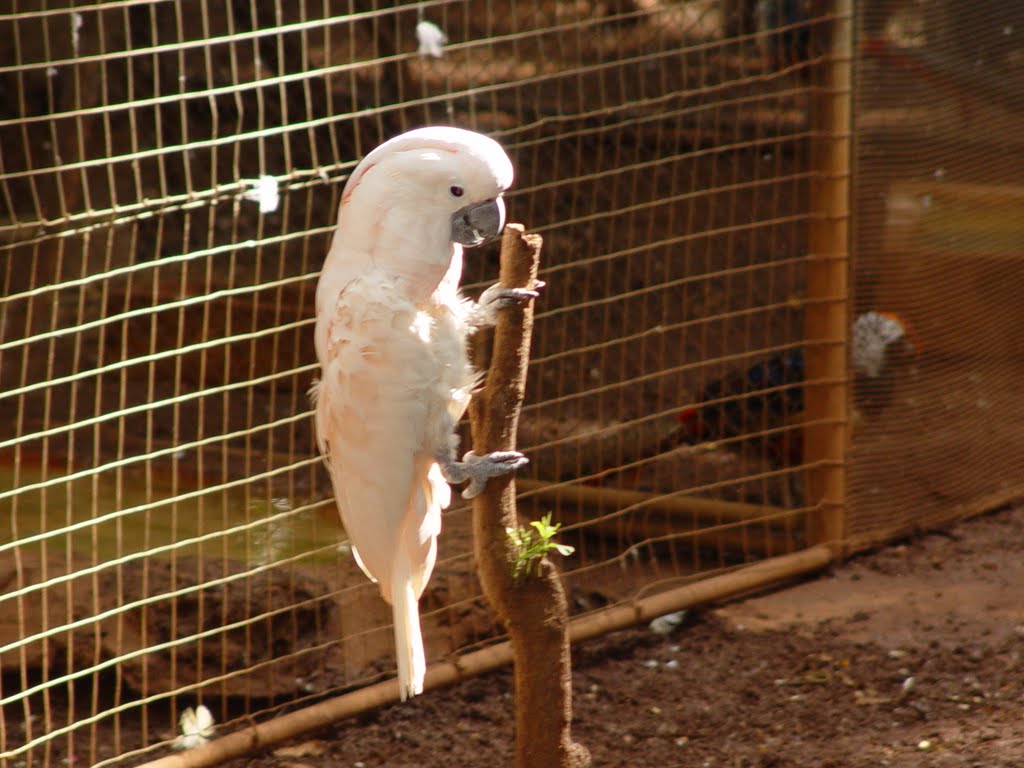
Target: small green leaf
530 548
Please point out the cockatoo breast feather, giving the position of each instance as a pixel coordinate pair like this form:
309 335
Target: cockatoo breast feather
393 377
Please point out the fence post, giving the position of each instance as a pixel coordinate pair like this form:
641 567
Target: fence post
827 316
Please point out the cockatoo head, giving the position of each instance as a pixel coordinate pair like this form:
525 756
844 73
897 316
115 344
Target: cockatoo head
440 180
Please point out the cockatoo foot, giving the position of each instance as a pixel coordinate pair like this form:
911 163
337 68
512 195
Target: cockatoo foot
479 469
485 313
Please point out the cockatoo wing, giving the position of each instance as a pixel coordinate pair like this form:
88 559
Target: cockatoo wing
371 413
383 414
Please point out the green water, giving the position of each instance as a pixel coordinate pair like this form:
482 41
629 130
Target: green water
106 516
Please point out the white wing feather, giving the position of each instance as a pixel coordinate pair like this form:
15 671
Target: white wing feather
394 381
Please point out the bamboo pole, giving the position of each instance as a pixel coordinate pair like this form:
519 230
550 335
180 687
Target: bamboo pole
753 529
294 724
703 511
742 581
826 438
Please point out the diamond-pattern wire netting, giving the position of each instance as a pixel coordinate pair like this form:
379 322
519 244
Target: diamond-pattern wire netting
170 174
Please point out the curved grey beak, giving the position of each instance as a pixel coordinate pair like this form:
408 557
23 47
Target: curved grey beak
479 222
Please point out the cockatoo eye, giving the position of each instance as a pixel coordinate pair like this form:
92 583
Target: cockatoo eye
456 190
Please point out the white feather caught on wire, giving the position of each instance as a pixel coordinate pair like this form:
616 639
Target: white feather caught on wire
432 39
196 727
263 191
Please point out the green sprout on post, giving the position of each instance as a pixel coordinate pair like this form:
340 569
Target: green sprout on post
532 545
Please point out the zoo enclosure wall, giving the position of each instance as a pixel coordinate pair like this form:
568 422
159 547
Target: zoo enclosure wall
170 173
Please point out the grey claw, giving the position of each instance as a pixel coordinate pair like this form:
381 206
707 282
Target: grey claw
495 298
500 298
479 469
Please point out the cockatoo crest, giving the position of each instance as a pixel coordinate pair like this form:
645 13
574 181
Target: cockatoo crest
424 159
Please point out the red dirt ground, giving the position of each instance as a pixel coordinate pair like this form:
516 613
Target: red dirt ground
910 656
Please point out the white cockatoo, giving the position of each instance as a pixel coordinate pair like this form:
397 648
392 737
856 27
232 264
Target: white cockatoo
391 338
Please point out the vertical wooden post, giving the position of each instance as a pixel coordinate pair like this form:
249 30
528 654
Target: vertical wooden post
827 318
533 609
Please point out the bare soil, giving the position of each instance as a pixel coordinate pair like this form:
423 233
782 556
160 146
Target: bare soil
909 656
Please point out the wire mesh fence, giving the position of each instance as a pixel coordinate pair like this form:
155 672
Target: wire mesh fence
170 175
939 107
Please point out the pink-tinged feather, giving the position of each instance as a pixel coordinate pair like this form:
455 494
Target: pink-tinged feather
391 337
